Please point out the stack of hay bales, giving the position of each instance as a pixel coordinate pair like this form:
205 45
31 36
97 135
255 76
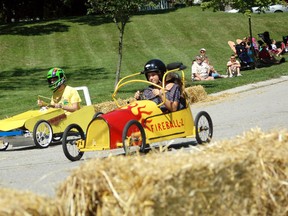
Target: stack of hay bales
17 203
108 106
244 176
195 94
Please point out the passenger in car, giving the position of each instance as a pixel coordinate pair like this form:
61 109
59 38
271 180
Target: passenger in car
154 71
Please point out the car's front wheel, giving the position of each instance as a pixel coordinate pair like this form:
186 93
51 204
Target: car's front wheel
42 134
71 135
3 145
203 127
133 137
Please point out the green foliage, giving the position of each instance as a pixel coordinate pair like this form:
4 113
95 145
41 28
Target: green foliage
216 5
119 10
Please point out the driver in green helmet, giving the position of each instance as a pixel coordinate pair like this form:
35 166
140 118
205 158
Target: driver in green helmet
64 96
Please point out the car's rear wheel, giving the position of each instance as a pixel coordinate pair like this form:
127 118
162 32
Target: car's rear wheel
3 145
71 135
42 134
203 127
133 137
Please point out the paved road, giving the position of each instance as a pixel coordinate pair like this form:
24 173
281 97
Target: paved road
40 170
263 105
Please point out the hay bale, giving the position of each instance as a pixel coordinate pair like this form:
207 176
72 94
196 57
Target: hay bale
17 203
105 107
108 106
196 93
245 176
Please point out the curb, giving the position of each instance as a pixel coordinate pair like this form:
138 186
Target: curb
252 86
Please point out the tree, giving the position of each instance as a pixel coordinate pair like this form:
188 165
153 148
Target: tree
120 11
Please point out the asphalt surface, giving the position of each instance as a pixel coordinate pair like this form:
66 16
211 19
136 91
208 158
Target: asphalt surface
264 105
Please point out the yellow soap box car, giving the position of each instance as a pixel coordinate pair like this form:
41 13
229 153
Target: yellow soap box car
137 124
45 125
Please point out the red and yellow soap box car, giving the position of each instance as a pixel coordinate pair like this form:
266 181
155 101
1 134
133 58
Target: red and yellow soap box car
137 124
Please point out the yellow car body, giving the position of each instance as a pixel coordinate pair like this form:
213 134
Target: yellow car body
44 124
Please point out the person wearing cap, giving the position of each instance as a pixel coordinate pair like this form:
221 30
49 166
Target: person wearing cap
202 53
200 70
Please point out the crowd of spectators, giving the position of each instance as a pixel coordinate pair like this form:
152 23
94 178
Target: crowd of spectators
202 69
248 53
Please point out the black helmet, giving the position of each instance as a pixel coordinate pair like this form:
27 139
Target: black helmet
155 65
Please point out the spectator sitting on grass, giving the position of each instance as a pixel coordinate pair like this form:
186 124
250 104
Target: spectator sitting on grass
233 67
200 70
265 56
213 72
274 49
202 54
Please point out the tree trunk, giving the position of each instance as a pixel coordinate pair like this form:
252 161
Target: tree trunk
120 46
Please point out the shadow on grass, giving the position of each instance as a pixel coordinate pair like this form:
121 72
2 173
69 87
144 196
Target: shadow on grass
37 29
45 27
89 74
95 20
23 79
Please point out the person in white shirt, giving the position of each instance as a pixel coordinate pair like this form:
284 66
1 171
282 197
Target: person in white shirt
200 70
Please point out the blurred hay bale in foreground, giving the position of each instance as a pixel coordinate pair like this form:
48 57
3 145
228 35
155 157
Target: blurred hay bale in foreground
244 176
17 203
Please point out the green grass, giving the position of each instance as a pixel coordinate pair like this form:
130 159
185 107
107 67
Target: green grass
86 48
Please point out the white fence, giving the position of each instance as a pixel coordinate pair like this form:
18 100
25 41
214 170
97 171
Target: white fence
163 4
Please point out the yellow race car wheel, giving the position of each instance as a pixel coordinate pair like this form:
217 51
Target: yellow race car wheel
133 137
71 135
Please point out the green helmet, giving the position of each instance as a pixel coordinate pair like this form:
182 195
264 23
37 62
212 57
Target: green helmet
58 73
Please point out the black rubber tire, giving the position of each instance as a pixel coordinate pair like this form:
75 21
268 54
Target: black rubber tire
97 115
203 127
42 134
72 134
135 126
4 145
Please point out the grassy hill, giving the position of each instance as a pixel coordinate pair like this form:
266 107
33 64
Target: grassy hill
86 48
